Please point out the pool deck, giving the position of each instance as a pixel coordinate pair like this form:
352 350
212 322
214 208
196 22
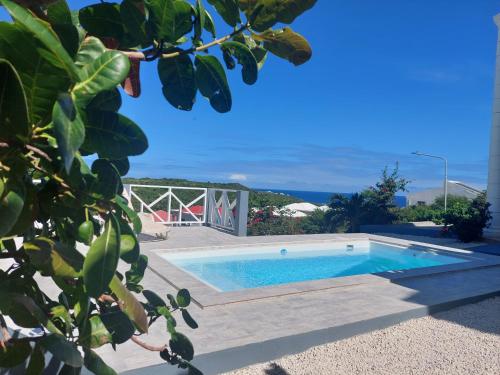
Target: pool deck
237 334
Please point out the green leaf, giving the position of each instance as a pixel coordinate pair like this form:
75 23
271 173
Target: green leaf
106 101
59 312
131 214
85 232
209 24
95 364
113 135
199 21
11 205
132 307
53 258
62 350
69 370
264 14
68 128
118 325
135 23
36 363
121 165
42 81
183 298
59 16
102 20
90 50
245 58
286 44
172 301
181 345
136 273
129 245
259 53
102 259
14 354
14 122
154 299
179 83
212 82
169 19
108 180
105 73
95 334
228 9
42 31
189 319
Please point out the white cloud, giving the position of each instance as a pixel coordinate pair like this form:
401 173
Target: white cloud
238 177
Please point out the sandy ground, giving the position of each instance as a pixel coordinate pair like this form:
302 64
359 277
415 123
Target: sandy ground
465 340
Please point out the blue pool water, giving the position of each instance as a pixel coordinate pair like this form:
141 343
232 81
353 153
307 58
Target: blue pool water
241 270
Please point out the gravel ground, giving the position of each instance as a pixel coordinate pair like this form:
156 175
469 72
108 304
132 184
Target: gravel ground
465 340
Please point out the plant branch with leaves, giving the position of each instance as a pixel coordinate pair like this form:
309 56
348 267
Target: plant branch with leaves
65 220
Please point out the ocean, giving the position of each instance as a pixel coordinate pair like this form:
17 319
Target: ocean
321 197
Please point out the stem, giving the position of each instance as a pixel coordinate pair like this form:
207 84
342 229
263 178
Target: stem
149 347
141 55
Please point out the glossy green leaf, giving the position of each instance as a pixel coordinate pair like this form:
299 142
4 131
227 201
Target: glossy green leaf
14 354
172 301
104 73
189 319
36 363
14 122
131 214
228 9
61 314
245 58
53 258
85 232
95 364
102 20
136 273
106 101
95 334
42 31
183 298
258 52
68 128
42 81
264 14
154 299
59 17
209 24
108 180
212 82
132 307
121 165
181 345
90 50
169 19
134 21
129 245
199 21
113 136
62 349
118 325
11 205
179 83
102 259
286 44
69 370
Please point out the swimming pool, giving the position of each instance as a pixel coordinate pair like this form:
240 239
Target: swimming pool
254 267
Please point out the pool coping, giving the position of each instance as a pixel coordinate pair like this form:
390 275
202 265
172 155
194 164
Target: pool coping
206 296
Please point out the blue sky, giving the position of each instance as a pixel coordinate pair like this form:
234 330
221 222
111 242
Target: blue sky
386 78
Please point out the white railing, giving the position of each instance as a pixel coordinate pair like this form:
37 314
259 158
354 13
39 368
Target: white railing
176 211
228 210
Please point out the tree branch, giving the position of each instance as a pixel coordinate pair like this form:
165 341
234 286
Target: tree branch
39 152
149 347
138 55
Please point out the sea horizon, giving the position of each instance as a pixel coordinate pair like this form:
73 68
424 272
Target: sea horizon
321 197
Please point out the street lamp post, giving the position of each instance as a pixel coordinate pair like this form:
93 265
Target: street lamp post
445 174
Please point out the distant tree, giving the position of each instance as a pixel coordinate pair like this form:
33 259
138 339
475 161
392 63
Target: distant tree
347 212
59 77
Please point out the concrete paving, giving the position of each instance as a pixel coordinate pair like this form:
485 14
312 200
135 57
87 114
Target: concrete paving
239 334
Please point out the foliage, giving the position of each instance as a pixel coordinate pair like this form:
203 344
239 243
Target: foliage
467 220
419 213
59 72
316 223
272 222
346 211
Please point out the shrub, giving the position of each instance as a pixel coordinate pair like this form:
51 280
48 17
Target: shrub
467 220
